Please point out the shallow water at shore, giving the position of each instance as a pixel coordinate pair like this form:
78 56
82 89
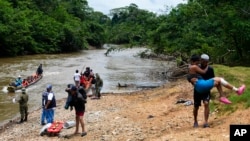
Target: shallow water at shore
118 67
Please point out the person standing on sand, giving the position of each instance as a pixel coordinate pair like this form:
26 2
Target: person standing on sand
201 85
44 113
48 105
23 106
79 97
77 76
69 97
205 97
98 85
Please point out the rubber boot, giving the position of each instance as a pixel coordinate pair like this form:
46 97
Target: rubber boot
21 121
26 117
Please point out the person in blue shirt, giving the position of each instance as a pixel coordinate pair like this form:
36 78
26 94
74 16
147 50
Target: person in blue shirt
18 81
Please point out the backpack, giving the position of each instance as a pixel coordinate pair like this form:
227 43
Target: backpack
93 80
82 95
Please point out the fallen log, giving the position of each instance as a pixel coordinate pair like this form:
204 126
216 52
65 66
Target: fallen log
137 86
125 85
147 86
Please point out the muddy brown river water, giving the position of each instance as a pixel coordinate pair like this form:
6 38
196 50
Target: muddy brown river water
118 67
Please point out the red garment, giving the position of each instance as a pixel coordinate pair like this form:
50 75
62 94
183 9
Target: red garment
85 82
82 80
78 113
25 83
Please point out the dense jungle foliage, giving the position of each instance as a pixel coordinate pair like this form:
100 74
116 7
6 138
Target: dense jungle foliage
220 28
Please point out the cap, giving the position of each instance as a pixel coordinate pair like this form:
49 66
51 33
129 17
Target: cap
19 75
73 88
205 57
49 86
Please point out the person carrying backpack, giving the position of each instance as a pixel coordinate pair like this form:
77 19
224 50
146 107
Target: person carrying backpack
79 97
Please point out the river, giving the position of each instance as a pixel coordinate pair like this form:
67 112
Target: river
118 67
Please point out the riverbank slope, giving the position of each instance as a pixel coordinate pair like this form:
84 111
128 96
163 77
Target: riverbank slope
148 115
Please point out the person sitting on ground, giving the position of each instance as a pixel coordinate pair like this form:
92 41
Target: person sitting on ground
201 85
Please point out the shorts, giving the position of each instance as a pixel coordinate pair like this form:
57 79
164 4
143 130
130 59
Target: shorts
198 97
77 83
203 86
78 113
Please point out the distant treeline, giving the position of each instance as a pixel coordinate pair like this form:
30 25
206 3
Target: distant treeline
220 28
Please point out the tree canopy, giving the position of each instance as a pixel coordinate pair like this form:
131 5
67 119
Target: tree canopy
48 26
220 28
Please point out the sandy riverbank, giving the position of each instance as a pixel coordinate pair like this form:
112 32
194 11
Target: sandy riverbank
148 115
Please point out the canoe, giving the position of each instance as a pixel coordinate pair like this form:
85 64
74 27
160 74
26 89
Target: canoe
13 88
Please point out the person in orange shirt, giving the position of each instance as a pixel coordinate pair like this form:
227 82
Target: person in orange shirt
25 83
83 81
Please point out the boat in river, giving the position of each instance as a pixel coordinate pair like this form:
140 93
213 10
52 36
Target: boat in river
34 78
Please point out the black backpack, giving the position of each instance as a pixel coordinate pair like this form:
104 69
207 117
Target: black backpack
93 80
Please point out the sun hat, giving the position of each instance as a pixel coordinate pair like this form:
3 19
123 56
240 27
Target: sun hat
205 57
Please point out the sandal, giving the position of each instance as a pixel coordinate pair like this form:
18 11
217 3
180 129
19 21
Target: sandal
83 134
206 126
241 90
195 125
225 100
